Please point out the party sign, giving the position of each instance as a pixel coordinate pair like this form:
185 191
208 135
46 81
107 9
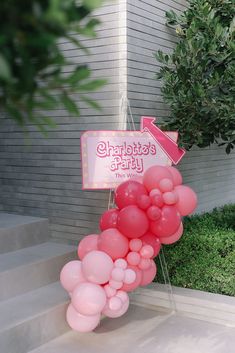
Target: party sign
111 157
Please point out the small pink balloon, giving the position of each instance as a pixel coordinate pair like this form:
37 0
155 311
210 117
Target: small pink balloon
168 223
176 176
155 192
118 274
97 267
154 175
87 244
170 197
135 244
187 201
88 298
147 252
130 287
122 295
154 213
132 222
121 263
130 276
149 274
115 284
174 237
151 239
109 219
133 258
114 243
157 200
127 193
71 275
166 185
109 291
115 303
81 323
116 313
144 264
143 201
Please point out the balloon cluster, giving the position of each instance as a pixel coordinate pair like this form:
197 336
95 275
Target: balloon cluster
120 258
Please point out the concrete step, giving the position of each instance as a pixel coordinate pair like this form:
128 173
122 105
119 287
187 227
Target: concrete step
33 267
32 319
17 232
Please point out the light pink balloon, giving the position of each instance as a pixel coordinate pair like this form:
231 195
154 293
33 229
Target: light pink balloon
133 258
87 244
174 237
88 298
118 274
154 175
109 291
71 275
170 197
130 287
116 313
97 267
147 251
135 244
166 185
81 323
120 263
115 284
187 200
149 274
113 243
176 176
122 295
115 303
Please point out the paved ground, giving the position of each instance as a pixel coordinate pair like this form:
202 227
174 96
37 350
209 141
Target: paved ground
144 330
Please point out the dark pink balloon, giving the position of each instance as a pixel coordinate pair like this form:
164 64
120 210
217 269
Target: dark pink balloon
151 239
154 175
114 243
127 193
168 223
157 200
149 274
174 237
134 285
176 176
154 213
87 244
109 219
187 201
143 201
132 222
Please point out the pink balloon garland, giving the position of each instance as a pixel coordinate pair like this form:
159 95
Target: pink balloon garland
120 258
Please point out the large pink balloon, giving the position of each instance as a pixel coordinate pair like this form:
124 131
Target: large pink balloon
109 219
154 175
87 244
88 298
97 267
116 313
71 275
136 283
149 274
176 176
187 201
81 323
132 222
114 243
151 239
174 237
168 223
127 193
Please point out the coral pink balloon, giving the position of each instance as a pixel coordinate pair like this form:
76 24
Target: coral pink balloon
81 323
176 176
130 276
132 222
97 267
187 201
133 258
155 192
166 185
130 287
109 219
170 197
116 313
149 274
144 264
120 263
109 291
174 237
87 244
71 275
114 243
115 303
168 223
153 176
157 200
88 298
135 244
143 201
126 193
147 252
154 213
115 284
151 239
118 274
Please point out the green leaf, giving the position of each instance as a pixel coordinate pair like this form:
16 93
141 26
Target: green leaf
92 85
90 102
5 71
69 104
92 4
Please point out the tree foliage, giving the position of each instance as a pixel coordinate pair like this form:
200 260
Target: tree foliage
32 64
199 75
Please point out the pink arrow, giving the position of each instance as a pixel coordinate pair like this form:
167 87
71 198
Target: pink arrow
169 146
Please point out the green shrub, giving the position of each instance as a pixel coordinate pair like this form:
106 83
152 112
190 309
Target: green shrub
204 258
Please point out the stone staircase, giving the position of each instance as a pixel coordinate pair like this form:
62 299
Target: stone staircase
32 302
